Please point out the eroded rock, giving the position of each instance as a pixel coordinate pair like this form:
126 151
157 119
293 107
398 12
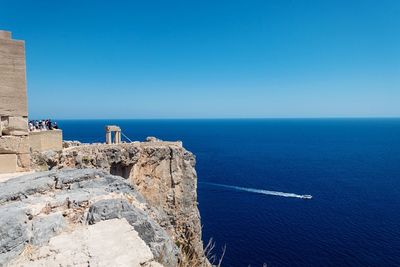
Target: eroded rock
163 172
50 218
108 243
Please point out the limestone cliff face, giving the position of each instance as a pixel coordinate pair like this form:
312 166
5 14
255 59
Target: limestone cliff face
163 172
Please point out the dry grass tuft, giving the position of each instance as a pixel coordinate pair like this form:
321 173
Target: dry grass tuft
190 258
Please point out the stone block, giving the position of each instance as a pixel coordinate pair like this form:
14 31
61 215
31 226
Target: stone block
112 128
8 163
5 35
23 162
17 126
46 140
14 145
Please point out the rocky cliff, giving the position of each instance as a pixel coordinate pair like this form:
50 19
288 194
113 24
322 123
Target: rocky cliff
79 218
162 172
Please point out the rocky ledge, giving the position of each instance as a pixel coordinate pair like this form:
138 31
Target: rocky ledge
162 172
79 218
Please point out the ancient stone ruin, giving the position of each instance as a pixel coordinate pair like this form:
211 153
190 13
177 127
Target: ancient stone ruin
119 204
117 134
14 135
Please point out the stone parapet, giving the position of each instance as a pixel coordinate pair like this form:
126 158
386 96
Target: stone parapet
45 140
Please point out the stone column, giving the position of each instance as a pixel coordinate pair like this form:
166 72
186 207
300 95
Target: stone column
119 137
108 137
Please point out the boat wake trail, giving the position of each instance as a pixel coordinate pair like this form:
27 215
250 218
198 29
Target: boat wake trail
260 191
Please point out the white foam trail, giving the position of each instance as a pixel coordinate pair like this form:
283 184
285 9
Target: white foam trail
260 191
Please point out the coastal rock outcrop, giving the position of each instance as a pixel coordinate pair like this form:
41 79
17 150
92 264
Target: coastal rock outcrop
163 172
79 217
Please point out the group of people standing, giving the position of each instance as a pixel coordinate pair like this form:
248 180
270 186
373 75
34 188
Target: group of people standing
42 125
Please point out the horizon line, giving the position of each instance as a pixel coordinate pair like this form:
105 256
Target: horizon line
237 118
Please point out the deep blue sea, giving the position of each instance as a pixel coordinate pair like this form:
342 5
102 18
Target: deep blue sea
351 167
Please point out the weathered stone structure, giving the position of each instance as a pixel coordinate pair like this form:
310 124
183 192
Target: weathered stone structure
14 136
122 204
45 140
117 134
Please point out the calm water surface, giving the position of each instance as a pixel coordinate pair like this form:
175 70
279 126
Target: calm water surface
351 167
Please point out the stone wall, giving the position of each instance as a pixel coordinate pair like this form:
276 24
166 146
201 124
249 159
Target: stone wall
46 140
14 139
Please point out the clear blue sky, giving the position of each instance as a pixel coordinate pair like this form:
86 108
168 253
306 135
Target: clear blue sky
206 59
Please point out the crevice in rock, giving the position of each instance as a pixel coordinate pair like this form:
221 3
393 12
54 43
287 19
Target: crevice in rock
171 155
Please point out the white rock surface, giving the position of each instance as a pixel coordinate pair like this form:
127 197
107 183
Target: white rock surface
107 243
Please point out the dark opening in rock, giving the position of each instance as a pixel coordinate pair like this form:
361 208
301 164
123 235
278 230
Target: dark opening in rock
121 170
